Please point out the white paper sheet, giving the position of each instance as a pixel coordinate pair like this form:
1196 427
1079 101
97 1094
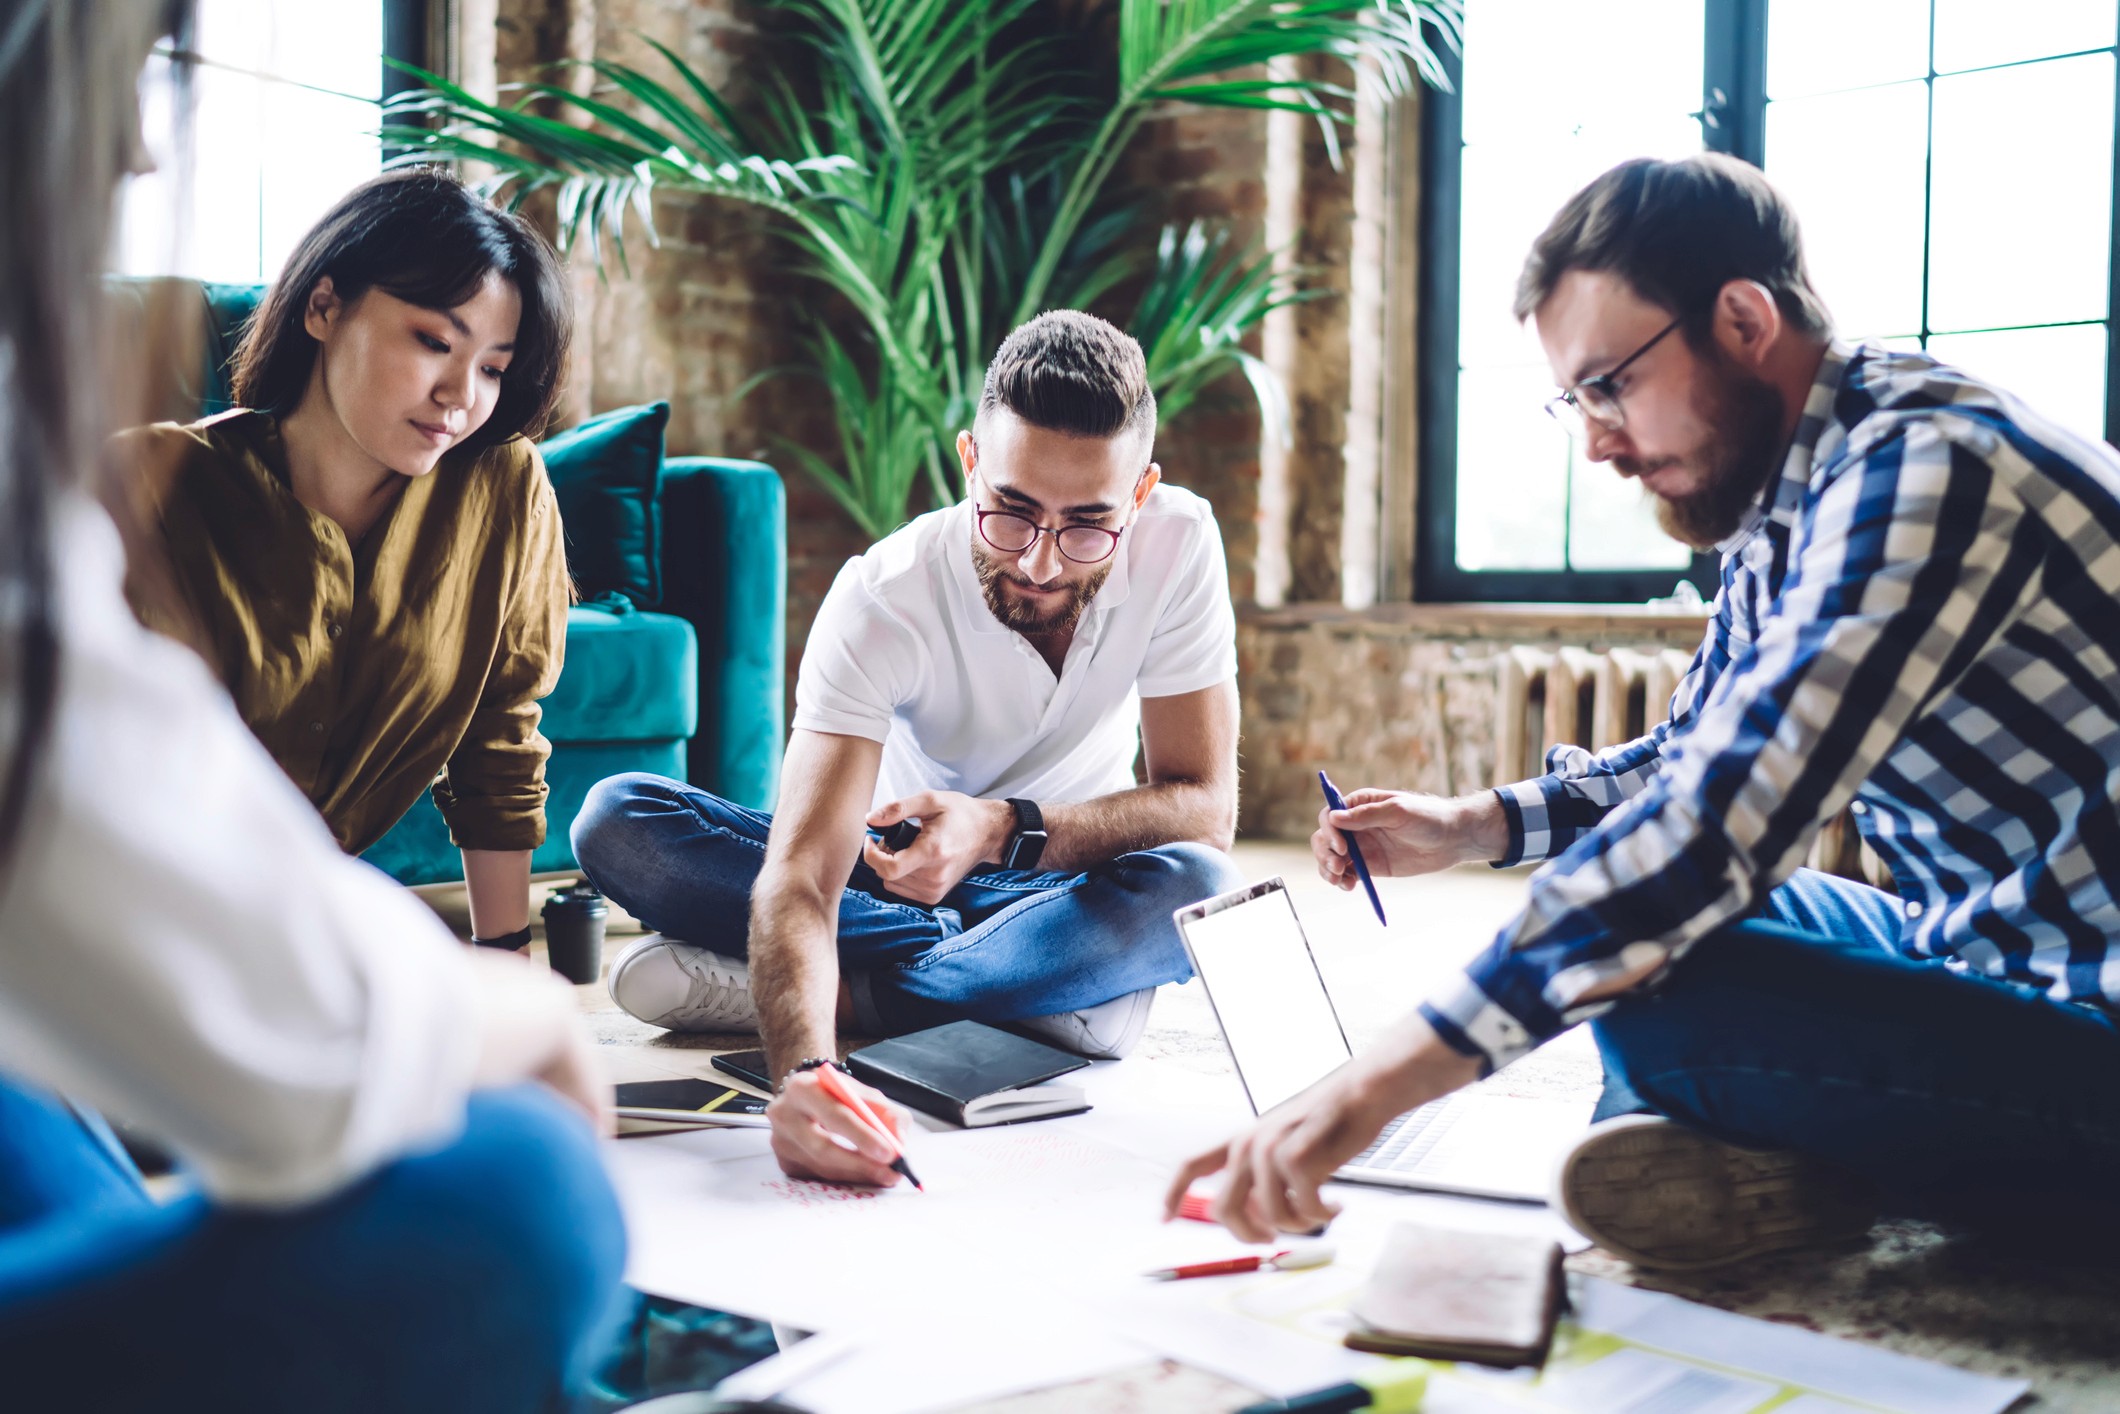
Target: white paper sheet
1022 1267
1279 1332
1803 1362
909 1366
1008 1211
1624 1351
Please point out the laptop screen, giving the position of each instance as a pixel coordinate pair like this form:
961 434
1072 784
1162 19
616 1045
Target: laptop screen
1252 957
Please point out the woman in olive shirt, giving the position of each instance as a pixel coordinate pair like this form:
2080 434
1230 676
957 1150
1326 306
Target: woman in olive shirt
368 547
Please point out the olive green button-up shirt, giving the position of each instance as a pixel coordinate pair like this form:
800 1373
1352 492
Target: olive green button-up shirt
373 671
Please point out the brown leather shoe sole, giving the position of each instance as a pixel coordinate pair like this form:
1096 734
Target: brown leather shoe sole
1660 1195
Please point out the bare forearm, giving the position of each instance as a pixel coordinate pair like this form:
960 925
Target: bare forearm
1406 1068
794 970
498 882
1483 827
1146 817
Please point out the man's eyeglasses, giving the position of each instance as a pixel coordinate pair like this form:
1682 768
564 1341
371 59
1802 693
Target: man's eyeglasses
1596 398
1013 534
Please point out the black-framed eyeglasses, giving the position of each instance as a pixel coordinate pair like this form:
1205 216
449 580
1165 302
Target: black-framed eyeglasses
1014 534
1596 398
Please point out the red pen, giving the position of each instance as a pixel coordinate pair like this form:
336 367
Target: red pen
1294 1259
837 1089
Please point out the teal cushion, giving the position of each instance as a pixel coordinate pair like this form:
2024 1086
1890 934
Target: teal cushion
629 676
417 849
607 474
229 308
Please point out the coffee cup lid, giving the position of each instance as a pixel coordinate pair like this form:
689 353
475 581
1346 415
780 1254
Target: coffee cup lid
575 895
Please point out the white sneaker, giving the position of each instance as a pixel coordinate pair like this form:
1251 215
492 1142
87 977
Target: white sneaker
1107 1031
684 987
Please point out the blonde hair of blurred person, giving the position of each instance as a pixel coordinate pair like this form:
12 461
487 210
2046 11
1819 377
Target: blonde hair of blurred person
405 1223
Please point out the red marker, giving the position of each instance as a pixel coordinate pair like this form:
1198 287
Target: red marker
1293 1260
828 1077
1200 1208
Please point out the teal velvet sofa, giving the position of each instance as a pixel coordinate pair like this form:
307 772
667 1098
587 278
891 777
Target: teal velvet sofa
688 685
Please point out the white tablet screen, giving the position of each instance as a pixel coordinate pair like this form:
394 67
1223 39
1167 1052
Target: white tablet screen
1268 996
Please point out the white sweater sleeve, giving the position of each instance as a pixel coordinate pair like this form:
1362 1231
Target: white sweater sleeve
183 945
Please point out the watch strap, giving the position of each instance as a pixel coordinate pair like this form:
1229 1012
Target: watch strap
1027 845
507 942
1028 815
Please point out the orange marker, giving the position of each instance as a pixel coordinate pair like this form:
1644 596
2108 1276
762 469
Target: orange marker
838 1090
1200 1208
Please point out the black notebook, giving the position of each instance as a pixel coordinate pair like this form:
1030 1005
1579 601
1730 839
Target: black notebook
660 1106
972 1075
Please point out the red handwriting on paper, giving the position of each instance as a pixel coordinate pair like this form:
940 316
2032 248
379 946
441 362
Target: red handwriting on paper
804 1193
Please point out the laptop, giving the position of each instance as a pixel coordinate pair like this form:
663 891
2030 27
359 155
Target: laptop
1284 1035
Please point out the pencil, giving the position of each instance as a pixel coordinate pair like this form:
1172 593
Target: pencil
828 1077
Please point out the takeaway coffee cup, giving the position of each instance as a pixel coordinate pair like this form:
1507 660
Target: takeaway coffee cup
574 932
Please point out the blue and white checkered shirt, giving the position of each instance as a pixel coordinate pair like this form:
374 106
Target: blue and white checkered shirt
1923 618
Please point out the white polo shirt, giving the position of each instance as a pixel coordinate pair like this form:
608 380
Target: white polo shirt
906 652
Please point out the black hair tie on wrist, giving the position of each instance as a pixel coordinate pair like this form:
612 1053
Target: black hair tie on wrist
507 942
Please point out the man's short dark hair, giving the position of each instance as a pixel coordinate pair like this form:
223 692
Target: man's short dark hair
1677 232
1072 373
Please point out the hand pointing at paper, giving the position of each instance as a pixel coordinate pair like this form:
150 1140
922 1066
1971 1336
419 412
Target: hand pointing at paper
1277 1166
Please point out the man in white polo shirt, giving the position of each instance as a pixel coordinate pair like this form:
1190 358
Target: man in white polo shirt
989 671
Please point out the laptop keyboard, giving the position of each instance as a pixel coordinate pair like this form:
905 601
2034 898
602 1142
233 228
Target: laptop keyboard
1405 1141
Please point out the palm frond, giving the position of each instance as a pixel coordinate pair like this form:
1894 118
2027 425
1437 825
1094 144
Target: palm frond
1206 295
945 170
1196 51
603 171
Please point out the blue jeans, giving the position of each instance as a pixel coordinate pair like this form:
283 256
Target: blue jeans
1003 945
483 1276
1803 1027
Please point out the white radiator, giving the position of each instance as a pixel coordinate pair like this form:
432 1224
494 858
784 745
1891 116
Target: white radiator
1575 697
1572 696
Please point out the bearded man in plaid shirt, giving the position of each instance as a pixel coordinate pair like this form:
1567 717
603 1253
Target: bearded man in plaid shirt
1918 622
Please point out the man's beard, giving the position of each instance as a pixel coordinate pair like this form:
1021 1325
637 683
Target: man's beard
1745 415
1022 617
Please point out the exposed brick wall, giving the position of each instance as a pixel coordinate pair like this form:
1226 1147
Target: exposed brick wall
1319 392
696 316
1377 701
1193 163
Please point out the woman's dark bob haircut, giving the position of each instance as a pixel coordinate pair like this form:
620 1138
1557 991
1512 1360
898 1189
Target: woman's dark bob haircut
419 234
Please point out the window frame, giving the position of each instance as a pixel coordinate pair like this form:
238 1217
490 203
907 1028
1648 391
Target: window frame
408 36
1733 120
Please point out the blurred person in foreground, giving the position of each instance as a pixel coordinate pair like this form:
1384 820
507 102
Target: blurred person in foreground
1919 621
390 1211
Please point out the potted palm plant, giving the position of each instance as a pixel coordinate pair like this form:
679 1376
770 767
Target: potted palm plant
946 167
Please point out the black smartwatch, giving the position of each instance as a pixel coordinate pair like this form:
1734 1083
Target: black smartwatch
1027 845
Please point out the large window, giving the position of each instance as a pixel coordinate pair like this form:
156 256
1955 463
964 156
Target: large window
283 122
1954 175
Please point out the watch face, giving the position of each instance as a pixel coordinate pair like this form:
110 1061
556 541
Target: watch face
1025 849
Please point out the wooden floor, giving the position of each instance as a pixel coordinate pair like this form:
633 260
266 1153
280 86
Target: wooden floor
1908 1288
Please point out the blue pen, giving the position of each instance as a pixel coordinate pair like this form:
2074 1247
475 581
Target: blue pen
1354 851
